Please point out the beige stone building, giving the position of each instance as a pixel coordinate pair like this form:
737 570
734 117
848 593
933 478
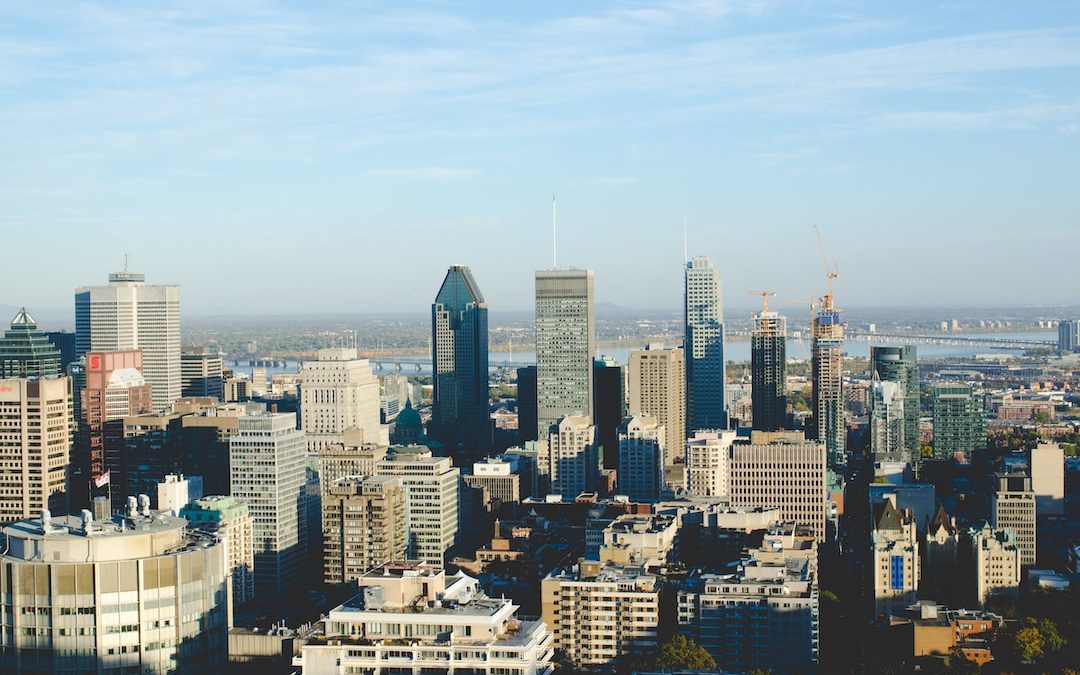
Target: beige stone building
36 431
363 526
656 383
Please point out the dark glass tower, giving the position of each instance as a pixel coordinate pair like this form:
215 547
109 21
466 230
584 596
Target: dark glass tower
526 392
609 407
900 365
703 314
768 371
26 351
460 415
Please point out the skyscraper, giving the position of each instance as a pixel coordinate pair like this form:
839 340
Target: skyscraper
431 486
35 446
641 458
526 403
460 410
959 421
1068 335
901 365
703 313
565 345
887 422
25 351
656 382
339 392
268 473
201 373
609 407
768 370
128 314
828 381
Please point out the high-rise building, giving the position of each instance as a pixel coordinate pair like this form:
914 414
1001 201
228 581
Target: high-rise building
363 526
703 315
768 371
894 561
1013 508
139 594
609 407
996 561
36 432
763 615
707 463
205 431
153 447
229 519
26 351
887 422
431 486
352 457
114 389
565 345
267 458
572 456
1047 462
460 407
827 372
901 365
127 314
339 391
1069 335
629 625
453 627
641 458
959 420
782 471
656 382
64 341
201 373
526 403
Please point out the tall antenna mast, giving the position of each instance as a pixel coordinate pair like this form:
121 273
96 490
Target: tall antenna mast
554 237
685 256
125 263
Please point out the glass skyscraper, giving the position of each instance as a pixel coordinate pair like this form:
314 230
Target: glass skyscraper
25 351
565 345
460 415
703 313
900 365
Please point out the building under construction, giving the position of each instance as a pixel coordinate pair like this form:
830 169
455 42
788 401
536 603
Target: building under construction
768 369
828 378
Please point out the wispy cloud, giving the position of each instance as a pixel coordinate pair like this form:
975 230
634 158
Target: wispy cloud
428 173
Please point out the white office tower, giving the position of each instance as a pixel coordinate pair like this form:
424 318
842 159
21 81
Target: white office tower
267 458
573 460
565 345
641 458
338 392
406 615
707 463
128 314
761 615
887 422
36 434
1048 479
782 470
137 594
600 613
431 486
996 559
894 558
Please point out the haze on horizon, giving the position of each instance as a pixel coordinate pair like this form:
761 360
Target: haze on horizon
285 157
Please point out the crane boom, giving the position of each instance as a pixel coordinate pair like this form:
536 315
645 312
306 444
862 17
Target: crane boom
830 272
764 299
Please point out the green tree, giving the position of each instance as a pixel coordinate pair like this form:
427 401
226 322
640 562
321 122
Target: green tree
682 653
1030 644
1049 630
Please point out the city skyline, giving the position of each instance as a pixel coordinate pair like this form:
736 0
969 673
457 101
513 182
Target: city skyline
379 127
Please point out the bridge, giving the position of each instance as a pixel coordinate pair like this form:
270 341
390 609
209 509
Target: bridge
998 342
419 363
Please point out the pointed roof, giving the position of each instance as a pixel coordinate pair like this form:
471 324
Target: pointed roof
459 289
940 520
408 416
887 517
23 318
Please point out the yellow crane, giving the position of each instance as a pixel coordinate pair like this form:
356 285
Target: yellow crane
765 295
831 272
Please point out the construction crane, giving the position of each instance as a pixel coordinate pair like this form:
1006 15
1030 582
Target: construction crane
830 272
764 299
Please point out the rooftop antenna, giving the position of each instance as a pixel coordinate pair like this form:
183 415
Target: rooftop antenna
125 263
554 238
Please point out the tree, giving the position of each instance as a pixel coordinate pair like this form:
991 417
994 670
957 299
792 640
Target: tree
682 653
1030 644
1049 630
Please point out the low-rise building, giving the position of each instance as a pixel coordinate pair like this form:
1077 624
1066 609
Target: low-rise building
411 618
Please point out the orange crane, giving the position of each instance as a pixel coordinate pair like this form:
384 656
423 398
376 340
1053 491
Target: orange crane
830 272
765 295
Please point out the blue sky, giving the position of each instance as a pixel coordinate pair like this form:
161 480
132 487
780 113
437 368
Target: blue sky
337 156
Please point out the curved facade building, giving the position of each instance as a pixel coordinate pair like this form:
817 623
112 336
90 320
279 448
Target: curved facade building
137 594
